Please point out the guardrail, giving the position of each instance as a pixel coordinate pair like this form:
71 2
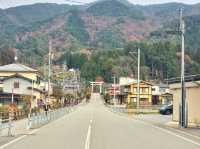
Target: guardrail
38 119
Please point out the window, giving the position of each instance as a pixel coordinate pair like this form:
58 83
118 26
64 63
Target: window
16 84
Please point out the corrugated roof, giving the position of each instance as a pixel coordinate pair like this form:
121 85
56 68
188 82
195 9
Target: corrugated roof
16 68
190 78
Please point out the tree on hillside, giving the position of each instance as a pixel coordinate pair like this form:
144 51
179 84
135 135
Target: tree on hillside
6 55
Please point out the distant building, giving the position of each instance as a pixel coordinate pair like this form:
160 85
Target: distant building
145 93
126 81
12 69
114 89
160 94
192 97
18 79
21 85
72 81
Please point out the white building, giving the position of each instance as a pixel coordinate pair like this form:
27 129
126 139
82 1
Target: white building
126 80
20 85
161 94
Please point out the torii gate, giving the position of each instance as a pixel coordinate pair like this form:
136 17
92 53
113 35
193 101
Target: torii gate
97 84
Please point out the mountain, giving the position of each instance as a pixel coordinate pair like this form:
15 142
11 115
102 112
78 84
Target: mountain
35 13
103 24
110 8
170 11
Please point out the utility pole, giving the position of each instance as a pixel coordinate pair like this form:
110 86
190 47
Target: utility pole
114 98
138 78
49 69
63 81
138 81
12 99
183 118
44 68
30 105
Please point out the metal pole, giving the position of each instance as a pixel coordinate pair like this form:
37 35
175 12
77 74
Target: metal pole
30 108
100 87
64 68
63 82
114 94
92 87
49 74
183 91
12 99
114 98
138 81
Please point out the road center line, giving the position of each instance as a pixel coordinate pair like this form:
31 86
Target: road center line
87 142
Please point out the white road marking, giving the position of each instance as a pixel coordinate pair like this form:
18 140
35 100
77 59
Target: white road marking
188 134
13 141
18 139
162 129
87 142
177 135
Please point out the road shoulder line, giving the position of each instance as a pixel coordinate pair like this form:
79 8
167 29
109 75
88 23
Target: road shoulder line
18 139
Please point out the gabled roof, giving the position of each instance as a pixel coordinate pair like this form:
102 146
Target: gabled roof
18 76
145 82
15 67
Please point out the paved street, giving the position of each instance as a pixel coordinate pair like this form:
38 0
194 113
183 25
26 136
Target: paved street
93 126
155 118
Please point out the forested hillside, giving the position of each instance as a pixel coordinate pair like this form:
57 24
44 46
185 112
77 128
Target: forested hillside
96 37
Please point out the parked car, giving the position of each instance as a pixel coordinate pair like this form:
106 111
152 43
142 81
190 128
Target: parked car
166 109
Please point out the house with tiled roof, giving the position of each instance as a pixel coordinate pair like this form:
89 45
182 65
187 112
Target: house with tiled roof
145 93
16 68
21 80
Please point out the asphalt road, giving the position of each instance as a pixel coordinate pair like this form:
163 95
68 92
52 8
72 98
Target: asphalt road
93 126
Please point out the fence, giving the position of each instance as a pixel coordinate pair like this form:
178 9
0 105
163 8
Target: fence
142 110
6 122
38 119
17 115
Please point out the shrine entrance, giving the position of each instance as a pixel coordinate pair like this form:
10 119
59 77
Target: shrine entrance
96 87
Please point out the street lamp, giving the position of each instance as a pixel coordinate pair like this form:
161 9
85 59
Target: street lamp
138 77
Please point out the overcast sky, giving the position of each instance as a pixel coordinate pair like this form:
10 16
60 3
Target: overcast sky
13 3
